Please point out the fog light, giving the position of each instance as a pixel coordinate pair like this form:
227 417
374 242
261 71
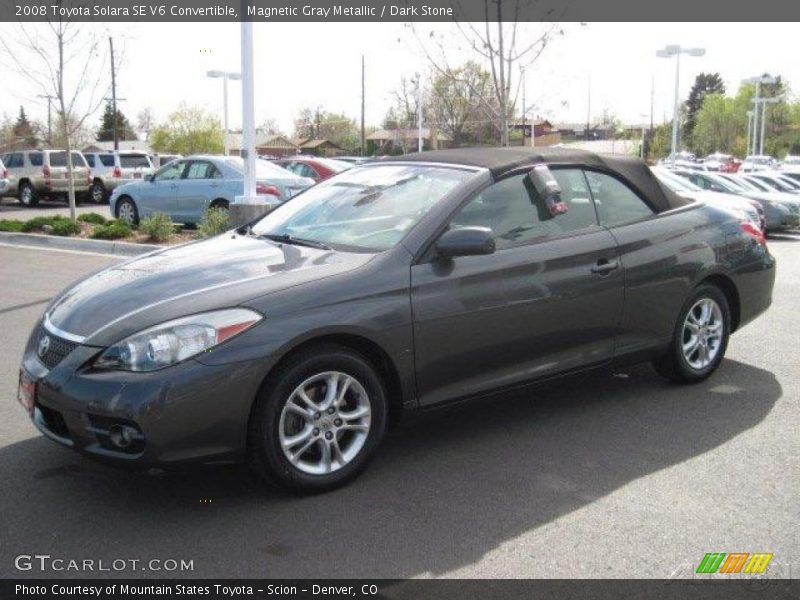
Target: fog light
121 435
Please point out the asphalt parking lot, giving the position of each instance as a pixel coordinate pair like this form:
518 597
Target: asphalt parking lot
10 208
607 475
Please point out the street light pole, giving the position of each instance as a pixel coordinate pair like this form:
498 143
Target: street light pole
248 113
764 102
749 129
676 51
765 80
225 76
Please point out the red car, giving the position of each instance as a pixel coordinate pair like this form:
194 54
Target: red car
315 167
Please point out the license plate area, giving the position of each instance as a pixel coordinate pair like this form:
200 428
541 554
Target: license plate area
26 391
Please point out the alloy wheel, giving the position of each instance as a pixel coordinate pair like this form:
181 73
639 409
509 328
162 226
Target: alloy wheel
325 423
702 333
125 212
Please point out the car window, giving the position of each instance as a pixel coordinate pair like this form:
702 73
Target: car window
59 159
107 160
89 160
134 161
14 160
171 171
510 209
36 159
616 202
200 170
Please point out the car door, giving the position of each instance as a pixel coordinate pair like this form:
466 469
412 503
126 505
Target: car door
197 189
548 300
160 194
657 253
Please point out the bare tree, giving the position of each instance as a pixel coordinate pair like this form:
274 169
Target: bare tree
65 61
505 46
146 121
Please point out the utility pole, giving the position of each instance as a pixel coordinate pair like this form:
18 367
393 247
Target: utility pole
588 105
49 117
763 79
764 102
749 130
652 98
419 115
524 108
363 93
113 94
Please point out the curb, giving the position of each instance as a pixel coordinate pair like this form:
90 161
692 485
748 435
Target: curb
77 244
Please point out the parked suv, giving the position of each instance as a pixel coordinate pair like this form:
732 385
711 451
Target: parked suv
37 174
3 179
111 169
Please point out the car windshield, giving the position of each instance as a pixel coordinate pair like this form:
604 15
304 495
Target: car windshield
334 165
729 183
264 168
364 209
774 183
676 183
759 185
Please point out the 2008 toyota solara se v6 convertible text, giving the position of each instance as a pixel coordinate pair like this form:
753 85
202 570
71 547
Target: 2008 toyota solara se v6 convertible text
295 341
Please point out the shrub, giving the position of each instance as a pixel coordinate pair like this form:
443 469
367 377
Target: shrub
38 223
64 228
93 218
214 222
113 230
158 226
11 225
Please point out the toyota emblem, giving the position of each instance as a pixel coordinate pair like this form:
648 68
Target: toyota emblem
44 345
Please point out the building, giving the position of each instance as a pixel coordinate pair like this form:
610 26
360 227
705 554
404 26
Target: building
320 147
393 141
277 146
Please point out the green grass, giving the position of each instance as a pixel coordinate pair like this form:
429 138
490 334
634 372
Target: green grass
11 225
113 230
93 218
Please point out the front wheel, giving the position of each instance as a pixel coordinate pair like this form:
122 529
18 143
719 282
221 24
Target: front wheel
700 337
126 211
318 420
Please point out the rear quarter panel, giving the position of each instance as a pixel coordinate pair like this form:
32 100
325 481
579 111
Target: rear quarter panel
664 258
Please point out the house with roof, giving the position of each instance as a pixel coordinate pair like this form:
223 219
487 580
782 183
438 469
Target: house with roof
403 140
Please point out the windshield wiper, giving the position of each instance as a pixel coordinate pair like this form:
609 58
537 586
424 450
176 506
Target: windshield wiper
285 238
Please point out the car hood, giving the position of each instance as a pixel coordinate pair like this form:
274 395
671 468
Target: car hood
221 272
720 199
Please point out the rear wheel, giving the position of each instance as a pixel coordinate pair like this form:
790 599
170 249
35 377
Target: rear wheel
700 338
126 211
27 195
220 204
318 420
97 192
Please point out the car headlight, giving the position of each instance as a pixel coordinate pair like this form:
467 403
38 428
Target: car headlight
174 341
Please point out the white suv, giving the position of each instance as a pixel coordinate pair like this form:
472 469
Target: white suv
111 169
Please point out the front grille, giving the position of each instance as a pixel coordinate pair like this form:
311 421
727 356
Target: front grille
55 351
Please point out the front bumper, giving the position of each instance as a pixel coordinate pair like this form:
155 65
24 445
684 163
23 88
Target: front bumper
187 412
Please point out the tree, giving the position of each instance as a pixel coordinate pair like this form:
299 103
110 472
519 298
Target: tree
189 130
719 125
660 144
704 84
23 130
319 124
106 131
62 60
146 122
270 127
504 46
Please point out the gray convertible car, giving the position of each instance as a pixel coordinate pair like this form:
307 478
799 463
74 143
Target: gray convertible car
295 341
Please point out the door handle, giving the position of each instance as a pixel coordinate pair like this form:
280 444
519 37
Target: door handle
605 266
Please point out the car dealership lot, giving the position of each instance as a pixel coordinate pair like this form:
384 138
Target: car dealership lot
631 475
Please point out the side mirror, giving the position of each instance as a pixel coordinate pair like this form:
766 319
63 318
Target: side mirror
466 241
546 193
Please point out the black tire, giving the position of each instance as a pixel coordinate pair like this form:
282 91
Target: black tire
265 454
125 200
27 195
97 192
674 365
220 204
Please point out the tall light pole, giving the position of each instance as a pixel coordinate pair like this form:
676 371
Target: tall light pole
758 81
676 51
225 75
749 129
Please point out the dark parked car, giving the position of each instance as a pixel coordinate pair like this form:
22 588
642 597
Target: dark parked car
398 285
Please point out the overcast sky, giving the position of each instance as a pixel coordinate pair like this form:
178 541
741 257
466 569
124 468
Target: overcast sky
314 64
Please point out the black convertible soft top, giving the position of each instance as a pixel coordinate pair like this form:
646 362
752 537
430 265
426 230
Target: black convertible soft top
503 160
